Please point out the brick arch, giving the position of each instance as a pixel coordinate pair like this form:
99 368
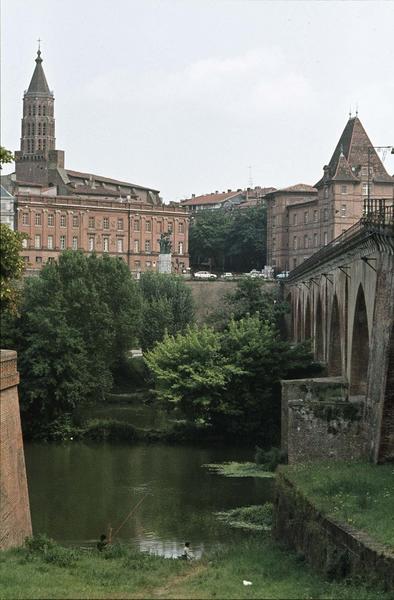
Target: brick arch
335 348
319 339
360 346
386 446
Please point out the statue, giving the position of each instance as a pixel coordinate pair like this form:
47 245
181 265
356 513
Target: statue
165 243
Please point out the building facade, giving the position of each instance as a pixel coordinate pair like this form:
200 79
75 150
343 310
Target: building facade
302 219
7 208
230 199
61 209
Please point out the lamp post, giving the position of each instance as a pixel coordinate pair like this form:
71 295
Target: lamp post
367 208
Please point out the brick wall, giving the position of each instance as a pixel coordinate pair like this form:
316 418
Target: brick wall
14 500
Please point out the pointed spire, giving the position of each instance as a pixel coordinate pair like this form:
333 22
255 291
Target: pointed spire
38 84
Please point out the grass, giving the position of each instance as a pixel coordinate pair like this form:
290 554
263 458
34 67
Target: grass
358 494
237 469
255 517
124 573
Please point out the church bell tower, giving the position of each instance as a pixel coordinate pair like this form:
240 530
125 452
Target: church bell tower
37 149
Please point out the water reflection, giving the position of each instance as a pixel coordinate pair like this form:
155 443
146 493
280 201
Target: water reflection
77 490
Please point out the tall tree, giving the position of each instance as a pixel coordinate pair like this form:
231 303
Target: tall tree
11 266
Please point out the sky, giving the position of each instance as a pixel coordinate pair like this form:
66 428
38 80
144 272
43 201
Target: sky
194 96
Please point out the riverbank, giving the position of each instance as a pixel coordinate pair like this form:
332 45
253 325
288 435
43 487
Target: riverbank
56 572
339 517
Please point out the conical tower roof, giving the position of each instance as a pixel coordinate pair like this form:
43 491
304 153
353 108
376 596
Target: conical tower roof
38 84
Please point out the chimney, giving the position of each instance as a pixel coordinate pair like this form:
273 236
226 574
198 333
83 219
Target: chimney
216 191
193 195
229 190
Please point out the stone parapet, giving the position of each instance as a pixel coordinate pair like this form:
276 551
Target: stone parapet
335 549
320 422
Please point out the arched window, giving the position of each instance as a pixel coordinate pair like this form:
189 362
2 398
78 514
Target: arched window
39 128
44 110
34 110
44 129
39 110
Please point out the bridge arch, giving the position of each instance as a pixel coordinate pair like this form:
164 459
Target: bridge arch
360 346
335 347
319 339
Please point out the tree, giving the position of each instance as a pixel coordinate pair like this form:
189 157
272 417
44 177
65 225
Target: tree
228 380
11 266
78 319
6 156
232 240
167 306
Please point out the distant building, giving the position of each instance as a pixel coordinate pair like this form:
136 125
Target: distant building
230 199
60 208
7 208
301 219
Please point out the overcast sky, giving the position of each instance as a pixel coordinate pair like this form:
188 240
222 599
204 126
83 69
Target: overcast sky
184 95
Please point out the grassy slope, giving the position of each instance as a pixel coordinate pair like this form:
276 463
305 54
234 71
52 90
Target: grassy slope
359 494
273 572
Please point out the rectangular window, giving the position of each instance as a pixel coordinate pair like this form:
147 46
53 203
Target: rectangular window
325 217
75 220
181 227
306 241
119 244
365 189
105 244
148 225
37 219
25 218
343 210
25 259
62 242
24 243
306 217
170 227
91 222
75 242
343 189
315 240
295 219
120 224
137 265
38 259
51 220
91 243
148 264
295 244
147 245
37 241
159 227
62 220
325 238
136 225
50 242
136 246
180 248
315 216
106 223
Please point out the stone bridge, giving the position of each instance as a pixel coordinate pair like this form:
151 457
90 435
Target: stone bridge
342 300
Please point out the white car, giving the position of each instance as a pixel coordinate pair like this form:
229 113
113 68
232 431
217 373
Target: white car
283 275
204 275
254 273
227 276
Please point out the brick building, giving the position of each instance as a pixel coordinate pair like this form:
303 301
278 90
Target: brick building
230 199
63 209
301 219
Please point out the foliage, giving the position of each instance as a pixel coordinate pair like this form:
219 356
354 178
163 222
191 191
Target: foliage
236 469
78 319
48 550
11 266
358 494
255 517
6 156
226 380
110 430
167 306
271 458
228 240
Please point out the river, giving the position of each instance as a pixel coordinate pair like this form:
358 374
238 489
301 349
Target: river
77 489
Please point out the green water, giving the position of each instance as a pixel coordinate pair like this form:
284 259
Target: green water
77 490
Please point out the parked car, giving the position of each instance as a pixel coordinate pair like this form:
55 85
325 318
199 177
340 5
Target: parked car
254 273
282 275
204 275
227 276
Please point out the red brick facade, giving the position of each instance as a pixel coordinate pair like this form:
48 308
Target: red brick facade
15 522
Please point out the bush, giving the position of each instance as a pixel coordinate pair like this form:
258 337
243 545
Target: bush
270 458
111 430
48 550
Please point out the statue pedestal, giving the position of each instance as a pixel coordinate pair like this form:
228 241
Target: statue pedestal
164 263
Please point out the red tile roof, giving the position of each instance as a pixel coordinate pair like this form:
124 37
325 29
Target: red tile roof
210 198
299 188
